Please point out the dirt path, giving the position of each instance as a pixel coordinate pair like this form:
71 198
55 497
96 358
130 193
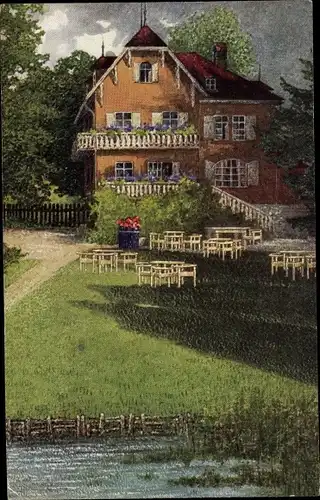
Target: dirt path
53 250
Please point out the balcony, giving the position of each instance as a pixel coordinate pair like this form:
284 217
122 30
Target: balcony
129 140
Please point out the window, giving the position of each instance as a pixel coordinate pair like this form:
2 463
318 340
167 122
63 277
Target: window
221 131
123 120
145 74
123 169
230 173
170 119
239 128
160 169
211 83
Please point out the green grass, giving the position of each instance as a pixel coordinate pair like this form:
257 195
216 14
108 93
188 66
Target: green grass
17 269
99 343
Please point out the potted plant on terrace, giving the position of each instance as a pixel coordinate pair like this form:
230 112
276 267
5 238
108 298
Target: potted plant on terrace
128 232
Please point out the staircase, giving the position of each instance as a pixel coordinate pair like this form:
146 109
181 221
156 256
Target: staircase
271 218
250 212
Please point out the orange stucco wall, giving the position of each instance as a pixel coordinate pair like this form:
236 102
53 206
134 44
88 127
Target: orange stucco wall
106 161
146 98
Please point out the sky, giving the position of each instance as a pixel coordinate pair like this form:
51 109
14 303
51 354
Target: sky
282 31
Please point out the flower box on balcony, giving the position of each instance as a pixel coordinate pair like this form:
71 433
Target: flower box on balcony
142 131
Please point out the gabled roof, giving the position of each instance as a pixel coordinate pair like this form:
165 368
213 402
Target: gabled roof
229 85
145 37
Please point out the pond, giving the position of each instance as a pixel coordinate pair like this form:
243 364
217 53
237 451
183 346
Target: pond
105 469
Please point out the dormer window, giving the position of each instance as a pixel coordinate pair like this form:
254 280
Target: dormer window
211 83
145 75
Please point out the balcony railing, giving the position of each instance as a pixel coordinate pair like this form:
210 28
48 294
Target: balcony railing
102 141
139 189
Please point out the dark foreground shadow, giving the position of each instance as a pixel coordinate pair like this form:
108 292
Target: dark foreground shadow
236 312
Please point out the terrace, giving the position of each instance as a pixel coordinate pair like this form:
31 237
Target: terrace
145 137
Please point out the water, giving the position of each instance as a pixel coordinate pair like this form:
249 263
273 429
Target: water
94 469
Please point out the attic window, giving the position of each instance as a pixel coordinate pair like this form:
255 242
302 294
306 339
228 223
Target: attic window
211 83
145 72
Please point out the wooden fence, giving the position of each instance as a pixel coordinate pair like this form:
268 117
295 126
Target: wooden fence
81 426
49 214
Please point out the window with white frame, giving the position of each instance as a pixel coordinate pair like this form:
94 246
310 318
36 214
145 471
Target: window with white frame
123 169
211 83
145 72
221 127
239 128
170 119
160 169
230 173
123 120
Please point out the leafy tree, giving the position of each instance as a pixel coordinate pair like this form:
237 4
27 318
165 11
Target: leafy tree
290 138
67 90
200 31
25 110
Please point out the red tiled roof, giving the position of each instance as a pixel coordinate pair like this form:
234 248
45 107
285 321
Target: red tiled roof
229 85
145 38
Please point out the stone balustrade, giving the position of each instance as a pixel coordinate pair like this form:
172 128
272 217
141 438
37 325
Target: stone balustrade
139 189
250 212
134 141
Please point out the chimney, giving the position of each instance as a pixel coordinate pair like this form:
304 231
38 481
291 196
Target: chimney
220 54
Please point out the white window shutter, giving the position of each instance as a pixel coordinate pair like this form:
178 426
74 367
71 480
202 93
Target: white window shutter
136 72
250 127
208 126
175 168
182 119
227 129
156 118
209 170
253 173
110 118
135 119
155 72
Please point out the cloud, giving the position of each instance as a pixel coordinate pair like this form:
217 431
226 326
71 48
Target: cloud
104 24
168 24
92 43
54 21
62 50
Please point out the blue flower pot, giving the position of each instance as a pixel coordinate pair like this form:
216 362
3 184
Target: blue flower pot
128 239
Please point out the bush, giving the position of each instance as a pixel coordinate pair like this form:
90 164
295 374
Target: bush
190 208
11 255
106 209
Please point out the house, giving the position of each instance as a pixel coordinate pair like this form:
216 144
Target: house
151 111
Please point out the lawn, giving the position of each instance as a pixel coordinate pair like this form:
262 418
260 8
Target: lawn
89 343
17 269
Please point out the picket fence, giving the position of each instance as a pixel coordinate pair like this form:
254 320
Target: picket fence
49 214
81 426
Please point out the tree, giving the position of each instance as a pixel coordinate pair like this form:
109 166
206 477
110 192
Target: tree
67 90
25 110
200 31
290 139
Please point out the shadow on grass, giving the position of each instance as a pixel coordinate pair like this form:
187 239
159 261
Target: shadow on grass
237 312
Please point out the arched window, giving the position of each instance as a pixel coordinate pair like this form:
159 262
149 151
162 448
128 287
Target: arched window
145 74
230 173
